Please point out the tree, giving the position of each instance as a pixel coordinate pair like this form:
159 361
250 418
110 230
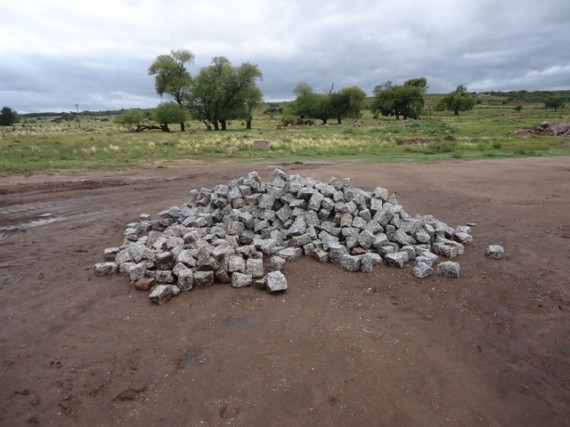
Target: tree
8 116
406 100
172 77
169 112
253 99
456 101
554 103
221 92
310 104
133 116
347 103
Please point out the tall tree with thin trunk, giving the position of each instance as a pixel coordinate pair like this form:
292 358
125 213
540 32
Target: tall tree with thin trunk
222 92
171 76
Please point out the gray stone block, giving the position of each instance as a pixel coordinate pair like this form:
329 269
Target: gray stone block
320 255
123 256
422 270
308 249
324 214
359 223
246 237
206 262
402 238
104 268
374 227
448 269
298 203
235 227
460 248
276 263
425 259
380 240
410 250
298 227
275 282
266 201
367 263
397 259
384 216
346 220
161 276
184 276
381 193
315 201
161 294
336 252
445 250
289 254
365 215
135 271
186 257
222 276
302 240
376 205
366 239
284 213
203 279
463 229
350 263
110 254
495 252
254 267
268 246
240 280
236 264
463 238
422 236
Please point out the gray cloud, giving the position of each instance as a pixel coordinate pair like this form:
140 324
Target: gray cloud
56 53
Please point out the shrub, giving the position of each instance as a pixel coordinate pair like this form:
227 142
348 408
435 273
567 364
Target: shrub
288 119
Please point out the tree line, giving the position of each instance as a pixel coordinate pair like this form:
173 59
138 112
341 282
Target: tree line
221 92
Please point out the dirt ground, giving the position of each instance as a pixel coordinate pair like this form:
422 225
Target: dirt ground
337 349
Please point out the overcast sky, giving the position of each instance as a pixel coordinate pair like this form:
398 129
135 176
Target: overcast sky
55 54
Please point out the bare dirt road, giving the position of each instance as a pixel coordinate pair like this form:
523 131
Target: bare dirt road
337 349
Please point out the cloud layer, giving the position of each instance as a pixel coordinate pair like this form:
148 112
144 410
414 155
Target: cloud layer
57 53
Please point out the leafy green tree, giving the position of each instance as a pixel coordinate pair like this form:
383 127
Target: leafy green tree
406 100
303 89
133 116
419 82
323 106
253 99
309 104
169 112
222 92
347 103
8 116
172 77
456 101
554 103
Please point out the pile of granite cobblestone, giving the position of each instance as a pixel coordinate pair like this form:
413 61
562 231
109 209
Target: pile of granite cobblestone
242 233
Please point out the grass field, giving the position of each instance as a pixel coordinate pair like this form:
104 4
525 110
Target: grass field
39 143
